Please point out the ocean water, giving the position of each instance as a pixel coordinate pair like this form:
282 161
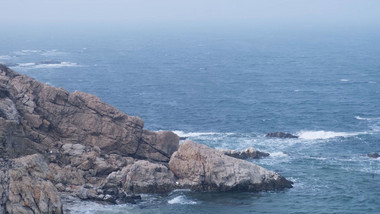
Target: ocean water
227 88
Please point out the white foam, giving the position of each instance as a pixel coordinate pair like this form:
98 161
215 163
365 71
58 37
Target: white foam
5 57
53 52
193 134
28 64
26 52
366 118
315 135
32 65
181 200
344 80
278 154
30 51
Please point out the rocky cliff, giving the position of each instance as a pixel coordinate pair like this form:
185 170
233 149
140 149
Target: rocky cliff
56 141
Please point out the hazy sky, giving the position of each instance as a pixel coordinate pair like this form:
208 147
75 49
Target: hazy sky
197 11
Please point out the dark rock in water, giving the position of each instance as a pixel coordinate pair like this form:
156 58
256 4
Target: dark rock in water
373 155
48 62
128 199
280 135
182 138
246 153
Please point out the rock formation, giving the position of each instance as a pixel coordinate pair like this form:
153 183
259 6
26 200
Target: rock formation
201 168
26 187
54 141
280 135
249 153
373 155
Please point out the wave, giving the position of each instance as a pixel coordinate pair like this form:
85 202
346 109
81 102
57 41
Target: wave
278 154
53 52
196 134
316 135
46 64
367 118
344 80
181 200
5 57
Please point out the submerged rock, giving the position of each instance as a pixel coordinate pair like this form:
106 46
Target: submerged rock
246 154
201 168
280 135
373 155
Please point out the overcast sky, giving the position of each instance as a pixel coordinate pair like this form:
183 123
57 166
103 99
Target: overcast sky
197 11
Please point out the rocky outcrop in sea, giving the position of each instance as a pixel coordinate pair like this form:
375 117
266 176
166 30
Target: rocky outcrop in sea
54 142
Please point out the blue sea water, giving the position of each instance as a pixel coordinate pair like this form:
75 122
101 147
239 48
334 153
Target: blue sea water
226 88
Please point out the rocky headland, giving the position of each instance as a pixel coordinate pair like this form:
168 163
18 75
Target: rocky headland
54 142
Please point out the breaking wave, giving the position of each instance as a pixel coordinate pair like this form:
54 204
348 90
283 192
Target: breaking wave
367 118
181 200
45 64
316 135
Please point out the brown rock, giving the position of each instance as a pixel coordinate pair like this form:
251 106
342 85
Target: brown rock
29 187
48 112
201 168
157 146
147 177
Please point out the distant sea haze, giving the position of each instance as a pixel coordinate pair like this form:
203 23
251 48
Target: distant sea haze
227 89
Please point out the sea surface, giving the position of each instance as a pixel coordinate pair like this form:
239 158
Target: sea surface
227 88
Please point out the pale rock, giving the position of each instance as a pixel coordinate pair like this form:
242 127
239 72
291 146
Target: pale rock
201 168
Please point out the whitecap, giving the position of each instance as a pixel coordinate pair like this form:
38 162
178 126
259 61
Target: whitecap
278 154
26 52
5 57
367 118
315 135
181 200
27 64
344 80
57 65
33 65
193 134
53 52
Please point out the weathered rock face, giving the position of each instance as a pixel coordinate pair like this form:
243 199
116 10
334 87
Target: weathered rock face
83 138
246 154
201 168
280 135
26 187
42 118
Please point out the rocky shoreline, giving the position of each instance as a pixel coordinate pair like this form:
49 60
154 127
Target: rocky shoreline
54 142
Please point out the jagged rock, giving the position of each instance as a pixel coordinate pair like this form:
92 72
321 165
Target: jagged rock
280 135
27 186
201 168
373 155
246 153
51 115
